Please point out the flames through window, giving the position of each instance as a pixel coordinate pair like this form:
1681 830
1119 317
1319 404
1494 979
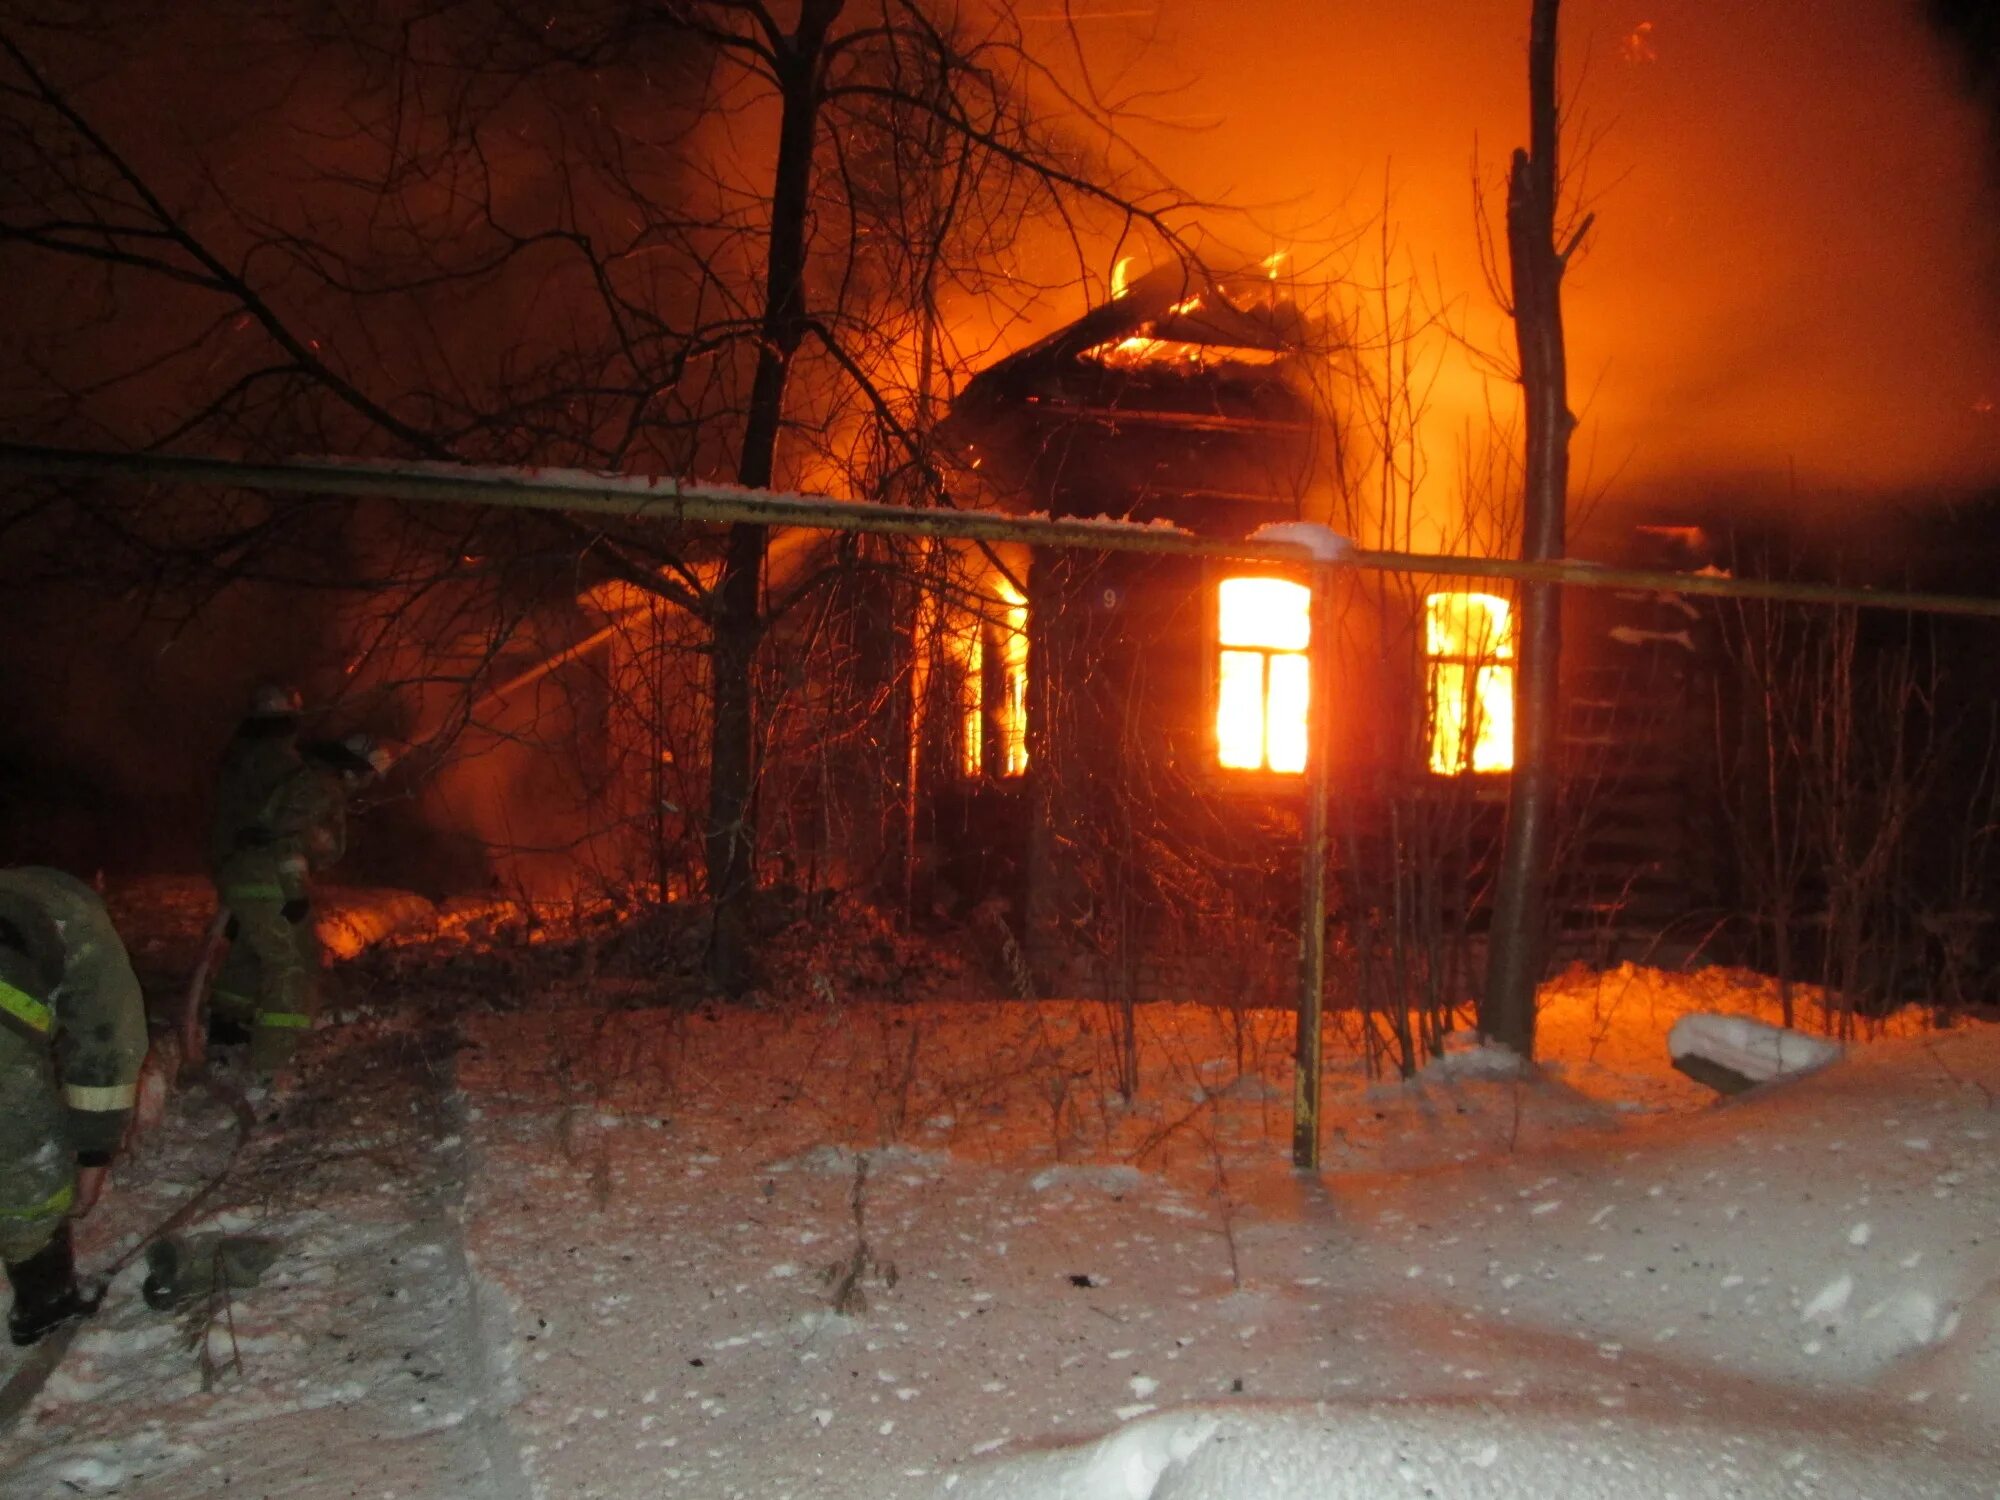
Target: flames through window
1010 720
1265 678
1469 643
989 649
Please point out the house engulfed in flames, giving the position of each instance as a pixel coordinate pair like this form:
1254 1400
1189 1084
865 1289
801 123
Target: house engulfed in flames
1119 750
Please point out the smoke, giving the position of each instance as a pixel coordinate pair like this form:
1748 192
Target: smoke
1794 273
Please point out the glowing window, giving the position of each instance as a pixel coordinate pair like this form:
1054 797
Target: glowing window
1265 680
1469 642
1012 720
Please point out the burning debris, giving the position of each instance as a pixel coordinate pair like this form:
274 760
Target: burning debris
1239 322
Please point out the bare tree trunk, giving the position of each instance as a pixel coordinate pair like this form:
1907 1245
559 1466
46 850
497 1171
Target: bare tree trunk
911 686
1307 1072
739 623
1782 891
1507 1009
1050 658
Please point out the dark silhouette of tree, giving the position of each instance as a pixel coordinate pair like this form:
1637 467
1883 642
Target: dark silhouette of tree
1507 1007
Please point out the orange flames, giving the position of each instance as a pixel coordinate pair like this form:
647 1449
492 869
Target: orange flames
1013 716
1469 641
1139 349
975 642
1152 343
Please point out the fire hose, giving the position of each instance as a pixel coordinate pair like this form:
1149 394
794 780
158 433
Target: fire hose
194 1031
19 1390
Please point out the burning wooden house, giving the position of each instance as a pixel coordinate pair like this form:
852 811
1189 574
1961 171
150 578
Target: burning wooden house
1104 750
1121 757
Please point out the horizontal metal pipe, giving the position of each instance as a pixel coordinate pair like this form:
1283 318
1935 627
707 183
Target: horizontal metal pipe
684 501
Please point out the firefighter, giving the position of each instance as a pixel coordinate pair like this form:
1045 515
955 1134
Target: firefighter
312 811
72 1039
299 829
266 980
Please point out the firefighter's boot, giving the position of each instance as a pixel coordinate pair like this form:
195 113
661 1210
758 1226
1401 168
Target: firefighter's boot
46 1294
165 1288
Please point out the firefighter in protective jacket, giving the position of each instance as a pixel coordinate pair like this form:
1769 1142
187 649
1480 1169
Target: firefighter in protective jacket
265 984
72 1039
281 817
308 814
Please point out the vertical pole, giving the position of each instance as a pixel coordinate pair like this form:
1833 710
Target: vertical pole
1312 901
917 687
1519 930
656 634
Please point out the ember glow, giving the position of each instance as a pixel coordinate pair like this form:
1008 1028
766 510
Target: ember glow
1469 641
1264 683
1127 353
1198 331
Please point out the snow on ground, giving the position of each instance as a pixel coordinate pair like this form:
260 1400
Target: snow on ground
356 1366
1753 1051
859 1249
1041 1268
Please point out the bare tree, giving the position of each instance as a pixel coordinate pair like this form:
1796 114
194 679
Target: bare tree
1507 1007
693 236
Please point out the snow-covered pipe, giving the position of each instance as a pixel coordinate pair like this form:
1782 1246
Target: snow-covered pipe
689 501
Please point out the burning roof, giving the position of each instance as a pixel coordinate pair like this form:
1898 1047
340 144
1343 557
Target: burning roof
1175 323
1184 392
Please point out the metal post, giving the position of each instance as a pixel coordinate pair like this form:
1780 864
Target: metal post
1312 899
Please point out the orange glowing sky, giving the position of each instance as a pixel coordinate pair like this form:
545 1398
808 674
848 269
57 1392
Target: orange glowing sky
1795 274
